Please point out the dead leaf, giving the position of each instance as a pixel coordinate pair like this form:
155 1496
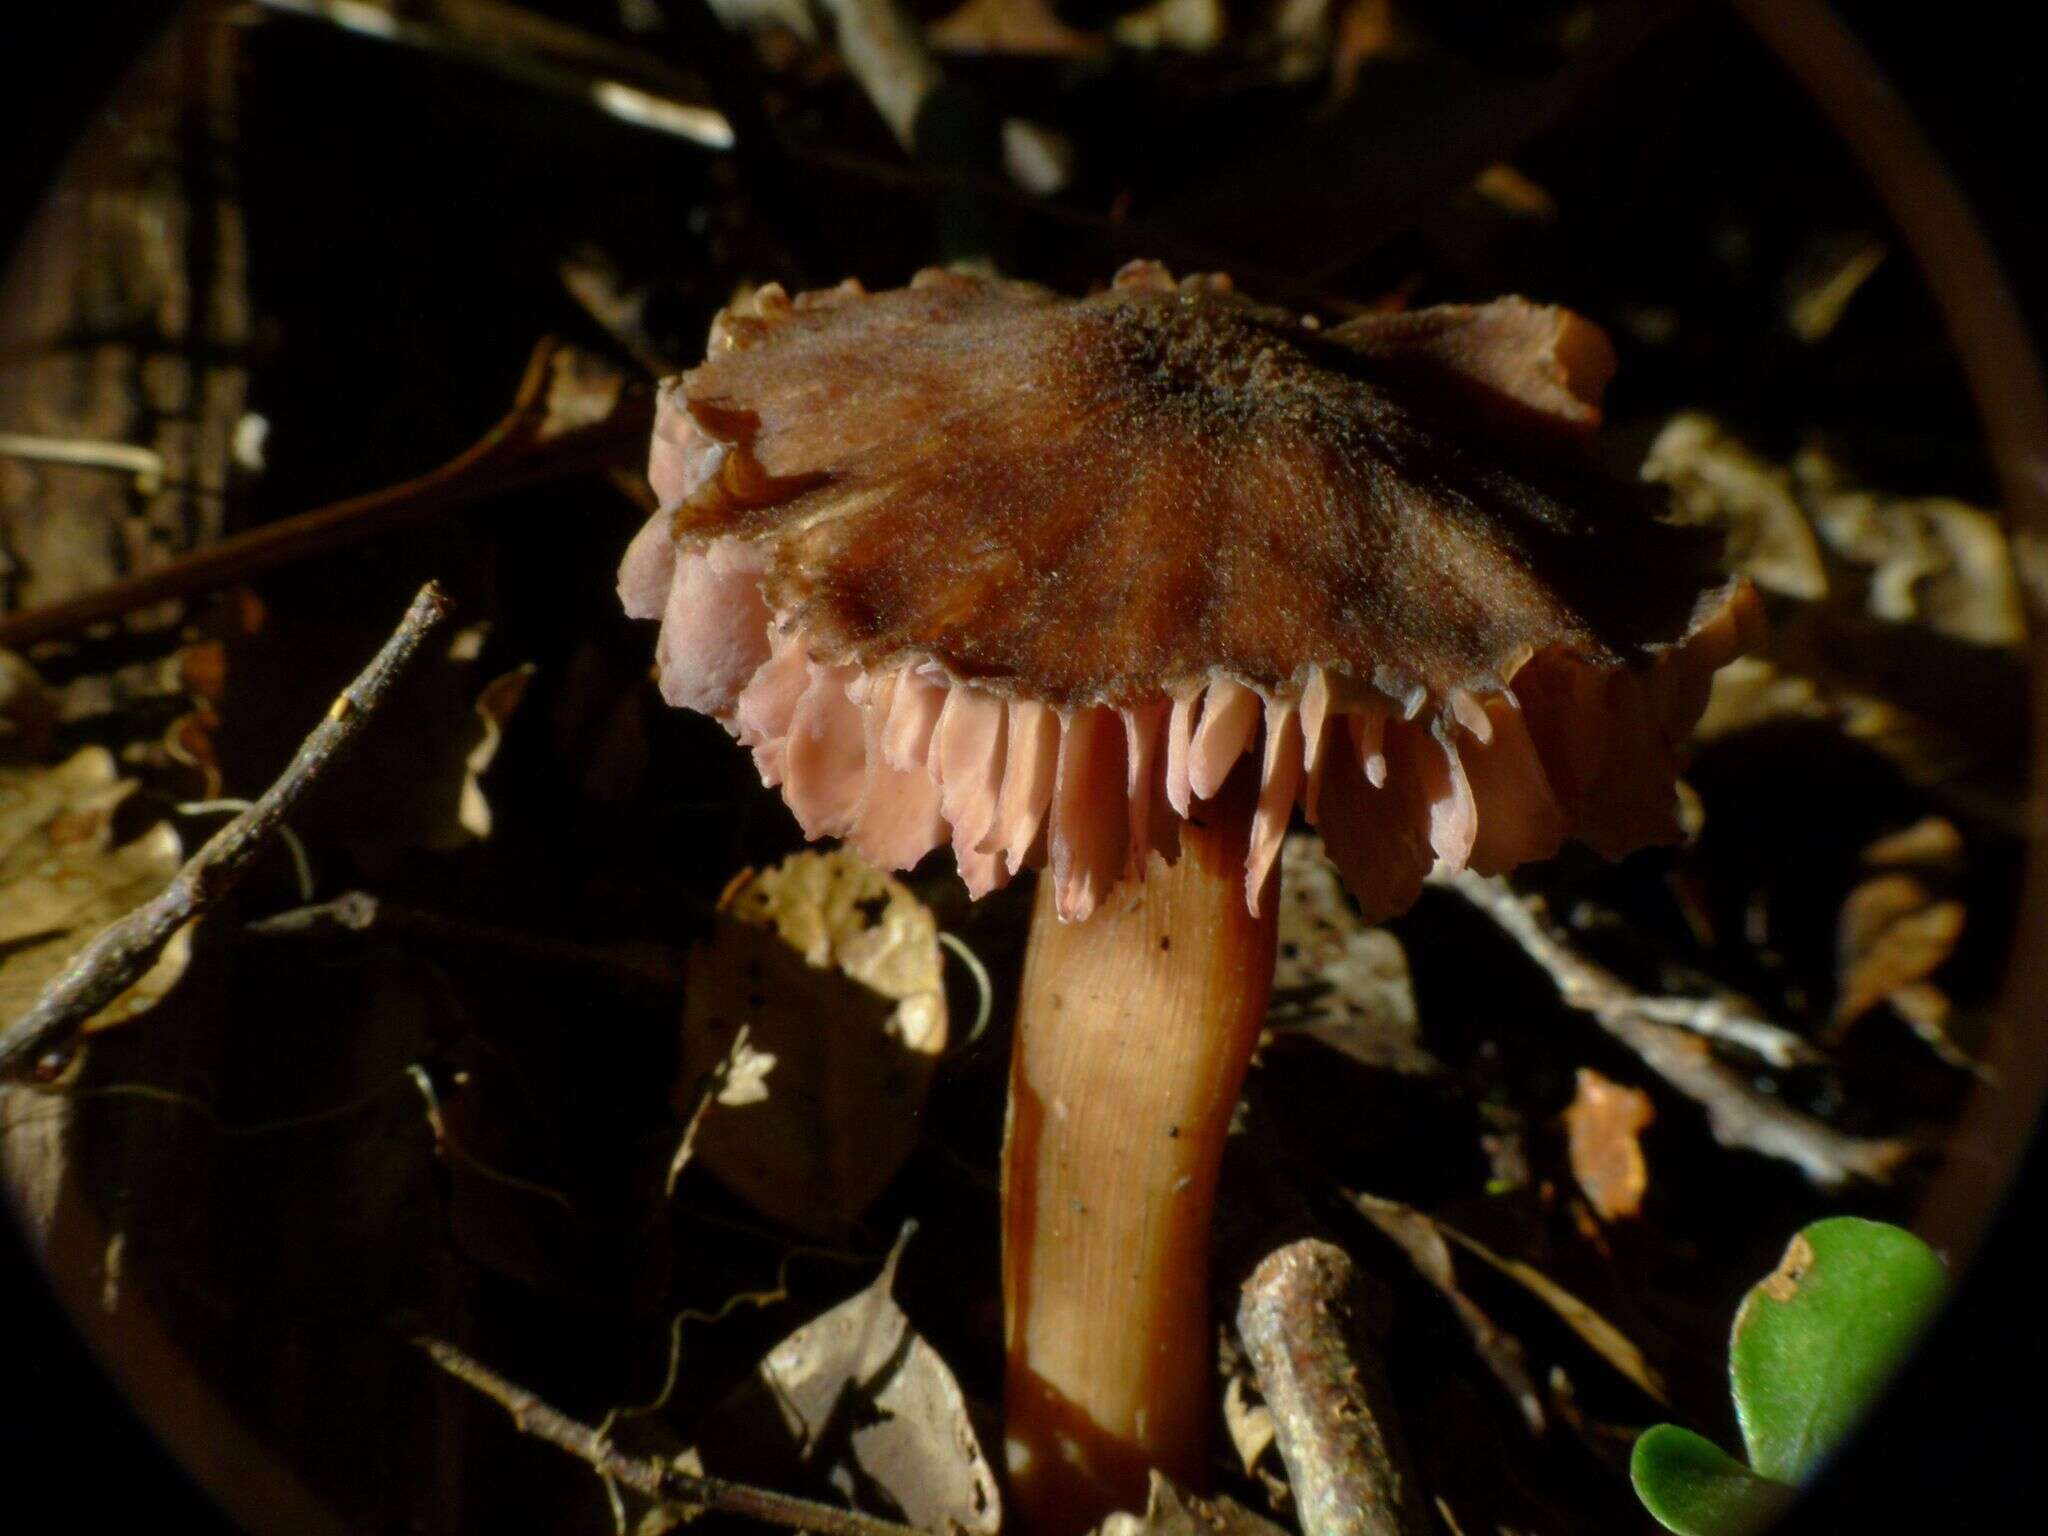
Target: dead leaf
834 969
63 879
1427 1242
1335 980
1169 1511
1026 27
437 735
1893 932
1421 1238
858 1397
494 707
1603 1128
1191 26
1932 560
1892 936
1718 481
1930 843
1512 192
1819 290
1250 1423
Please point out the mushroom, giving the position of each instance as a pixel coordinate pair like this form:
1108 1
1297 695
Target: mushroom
1108 587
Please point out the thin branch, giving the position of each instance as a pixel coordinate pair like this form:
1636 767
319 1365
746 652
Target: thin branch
516 452
649 1477
111 963
653 974
1738 1114
1302 1317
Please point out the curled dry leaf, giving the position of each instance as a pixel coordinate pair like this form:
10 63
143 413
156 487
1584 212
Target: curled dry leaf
1603 1129
440 732
1010 26
1337 981
834 969
1428 1244
63 879
1930 843
1422 1239
1932 560
1171 1511
1717 480
858 1396
1892 936
494 707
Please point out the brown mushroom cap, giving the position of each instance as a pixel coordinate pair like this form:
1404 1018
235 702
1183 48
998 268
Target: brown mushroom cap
969 555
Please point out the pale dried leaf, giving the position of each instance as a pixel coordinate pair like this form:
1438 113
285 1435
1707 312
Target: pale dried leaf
1423 1240
1717 481
1191 26
1428 1241
63 879
1930 843
1170 1511
834 969
1892 934
1010 26
1932 560
1820 291
859 1397
1603 1130
1249 1422
494 707
1335 979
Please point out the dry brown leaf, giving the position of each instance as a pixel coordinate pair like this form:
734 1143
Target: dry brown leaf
1717 480
1336 980
437 735
1169 1511
1932 560
1893 933
1249 1422
1603 1129
1427 1242
1423 1240
1930 843
1191 26
1010 26
834 969
858 1397
63 879
494 707
1820 291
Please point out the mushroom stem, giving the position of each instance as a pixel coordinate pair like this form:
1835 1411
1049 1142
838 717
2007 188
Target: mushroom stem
1134 1031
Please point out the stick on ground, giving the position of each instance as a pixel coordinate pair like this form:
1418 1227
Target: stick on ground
1303 1321
646 1476
1738 1114
111 963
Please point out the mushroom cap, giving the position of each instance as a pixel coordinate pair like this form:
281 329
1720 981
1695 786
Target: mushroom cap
972 558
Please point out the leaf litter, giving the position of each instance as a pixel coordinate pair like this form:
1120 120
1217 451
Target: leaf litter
458 814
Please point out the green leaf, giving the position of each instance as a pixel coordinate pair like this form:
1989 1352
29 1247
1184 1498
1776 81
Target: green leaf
1695 1488
1816 1341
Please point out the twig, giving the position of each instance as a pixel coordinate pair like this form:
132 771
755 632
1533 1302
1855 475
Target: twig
110 964
512 454
1302 1317
653 975
650 1477
1738 1114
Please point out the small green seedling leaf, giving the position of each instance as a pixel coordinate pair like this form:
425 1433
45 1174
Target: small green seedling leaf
1695 1488
1815 1342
